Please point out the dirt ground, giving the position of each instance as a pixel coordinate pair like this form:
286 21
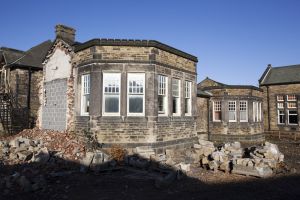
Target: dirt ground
129 183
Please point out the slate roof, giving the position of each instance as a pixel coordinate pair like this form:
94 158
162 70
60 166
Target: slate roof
220 85
34 57
10 55
201 93
281 75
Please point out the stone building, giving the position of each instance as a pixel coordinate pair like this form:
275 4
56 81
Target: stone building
234 111
127 92
20 75
281 93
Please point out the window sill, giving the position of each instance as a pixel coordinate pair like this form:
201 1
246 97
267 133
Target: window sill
111 115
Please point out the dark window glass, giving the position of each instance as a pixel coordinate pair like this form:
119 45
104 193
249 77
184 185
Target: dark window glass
136 104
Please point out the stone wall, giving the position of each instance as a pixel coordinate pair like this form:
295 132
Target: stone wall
238 127
19 79
54 109
271 94
202 118
134 54
151 129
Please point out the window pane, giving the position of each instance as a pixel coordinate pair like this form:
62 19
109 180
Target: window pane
218 115
187 105
231 115
292 104
293 119
175 105
175 87
87 103
160 103
280 105
136 104
291 97
280 98
112 103
243 115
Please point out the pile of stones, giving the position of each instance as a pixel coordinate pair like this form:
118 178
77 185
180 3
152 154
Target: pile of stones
259 161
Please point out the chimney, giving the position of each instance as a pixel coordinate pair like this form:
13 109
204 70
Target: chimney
65 33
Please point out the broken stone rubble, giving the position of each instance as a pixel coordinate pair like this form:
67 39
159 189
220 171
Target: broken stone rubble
260 161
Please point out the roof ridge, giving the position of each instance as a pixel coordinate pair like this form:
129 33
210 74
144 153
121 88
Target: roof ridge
296 65
11 49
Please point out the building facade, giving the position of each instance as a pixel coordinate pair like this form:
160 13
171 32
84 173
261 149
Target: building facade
234 112
20 80
281 90
127 92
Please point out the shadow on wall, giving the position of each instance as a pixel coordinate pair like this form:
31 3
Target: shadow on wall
55 178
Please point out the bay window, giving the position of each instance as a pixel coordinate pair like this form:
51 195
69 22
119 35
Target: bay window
162 95
187 97
136 94
85 94
111 94
176 96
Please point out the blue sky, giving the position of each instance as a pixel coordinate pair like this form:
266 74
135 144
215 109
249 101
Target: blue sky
234 40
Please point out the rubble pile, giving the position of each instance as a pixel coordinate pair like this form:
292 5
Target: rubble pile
259 161
33 153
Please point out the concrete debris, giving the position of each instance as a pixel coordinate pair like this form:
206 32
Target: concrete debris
260 161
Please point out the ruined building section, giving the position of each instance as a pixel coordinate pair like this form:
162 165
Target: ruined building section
21 73
235 112
281 89
202 114
56 113
141 93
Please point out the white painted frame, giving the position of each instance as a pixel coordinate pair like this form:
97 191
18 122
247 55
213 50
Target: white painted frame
163 91
214 110
246 111
132 76
85 90
188 95
230 120
109 76
178 97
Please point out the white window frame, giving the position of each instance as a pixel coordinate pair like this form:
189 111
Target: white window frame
109 76
278 116
289 117
255 111
281 100
188 95
291 95
246 111
281 105
163 91
291 102
217 104
178 113
259 112
132 76
85 90
229 102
